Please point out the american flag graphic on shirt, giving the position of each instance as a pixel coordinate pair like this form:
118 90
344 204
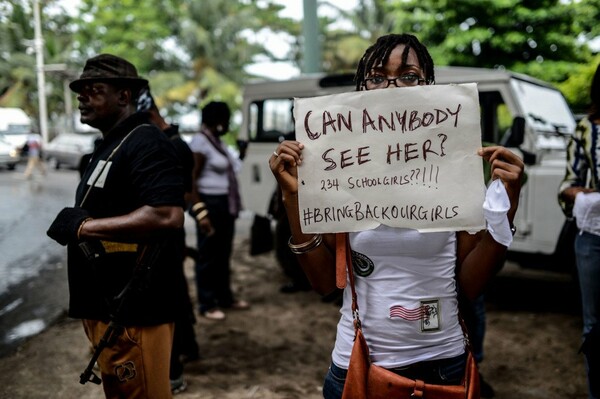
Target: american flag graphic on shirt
409 314
427 313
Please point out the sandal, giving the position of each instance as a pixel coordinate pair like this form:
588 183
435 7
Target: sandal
214 314
240 304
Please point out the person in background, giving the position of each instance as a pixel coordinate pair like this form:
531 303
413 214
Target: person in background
185 347
287 260
215 206
33 147
579 198
474 313
407 266
122 243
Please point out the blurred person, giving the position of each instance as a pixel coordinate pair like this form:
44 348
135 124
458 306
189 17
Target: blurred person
474 312
33 149
579 198
215 206
123 268
286 259
447 261
185 347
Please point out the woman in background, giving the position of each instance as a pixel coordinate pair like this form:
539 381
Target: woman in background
216 204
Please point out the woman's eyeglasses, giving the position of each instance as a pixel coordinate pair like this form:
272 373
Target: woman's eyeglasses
406 80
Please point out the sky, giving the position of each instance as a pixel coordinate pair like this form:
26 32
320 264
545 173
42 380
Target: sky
279 44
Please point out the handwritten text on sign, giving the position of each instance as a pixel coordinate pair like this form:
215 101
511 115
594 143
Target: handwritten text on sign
402 157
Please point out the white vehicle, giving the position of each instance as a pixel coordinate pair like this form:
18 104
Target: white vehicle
15 127
525 114
9 156
68 149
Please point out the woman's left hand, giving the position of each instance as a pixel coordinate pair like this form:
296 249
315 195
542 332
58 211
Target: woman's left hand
506 166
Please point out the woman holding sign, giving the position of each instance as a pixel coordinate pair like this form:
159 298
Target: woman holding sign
407 282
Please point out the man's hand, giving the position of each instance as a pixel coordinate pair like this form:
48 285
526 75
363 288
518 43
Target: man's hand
64 228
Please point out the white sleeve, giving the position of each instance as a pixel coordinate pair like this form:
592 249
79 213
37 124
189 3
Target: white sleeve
199 144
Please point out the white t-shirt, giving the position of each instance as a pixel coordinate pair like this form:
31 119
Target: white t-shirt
406 289
213 180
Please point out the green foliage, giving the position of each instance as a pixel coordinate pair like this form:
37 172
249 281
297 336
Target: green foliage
493 34
540 38
18 79
587 16
137 30
577 87
342 48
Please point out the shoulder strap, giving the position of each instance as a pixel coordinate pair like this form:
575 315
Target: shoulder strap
340 259
215 143
343 255
107 160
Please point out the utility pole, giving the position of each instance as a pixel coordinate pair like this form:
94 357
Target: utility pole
66 74
41 81
310 31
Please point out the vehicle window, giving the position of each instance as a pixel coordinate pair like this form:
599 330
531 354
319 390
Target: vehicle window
496 119
17 129
545 108
270 119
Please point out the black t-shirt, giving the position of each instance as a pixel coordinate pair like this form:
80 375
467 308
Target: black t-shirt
144 170
184 153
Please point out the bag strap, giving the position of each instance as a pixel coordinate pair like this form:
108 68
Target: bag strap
107 160
340 260
343 260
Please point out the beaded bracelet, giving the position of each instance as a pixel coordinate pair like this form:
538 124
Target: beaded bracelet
299 249
197 206
202 214
199 210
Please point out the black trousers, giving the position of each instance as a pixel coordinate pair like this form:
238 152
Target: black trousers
213 267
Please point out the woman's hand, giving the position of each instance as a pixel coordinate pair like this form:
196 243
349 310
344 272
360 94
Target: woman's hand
569 194
206 226
508 167
284 162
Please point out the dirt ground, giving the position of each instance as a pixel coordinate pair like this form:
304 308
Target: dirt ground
281 347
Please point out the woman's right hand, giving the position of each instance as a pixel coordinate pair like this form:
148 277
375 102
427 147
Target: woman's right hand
206 226
284 162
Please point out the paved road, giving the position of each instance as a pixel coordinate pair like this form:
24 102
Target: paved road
32 266
33 270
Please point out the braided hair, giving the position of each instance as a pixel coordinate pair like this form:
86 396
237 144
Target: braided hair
379 54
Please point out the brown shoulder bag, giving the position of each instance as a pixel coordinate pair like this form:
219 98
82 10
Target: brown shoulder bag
366 380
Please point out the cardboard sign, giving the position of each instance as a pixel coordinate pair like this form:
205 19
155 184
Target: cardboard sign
403 157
